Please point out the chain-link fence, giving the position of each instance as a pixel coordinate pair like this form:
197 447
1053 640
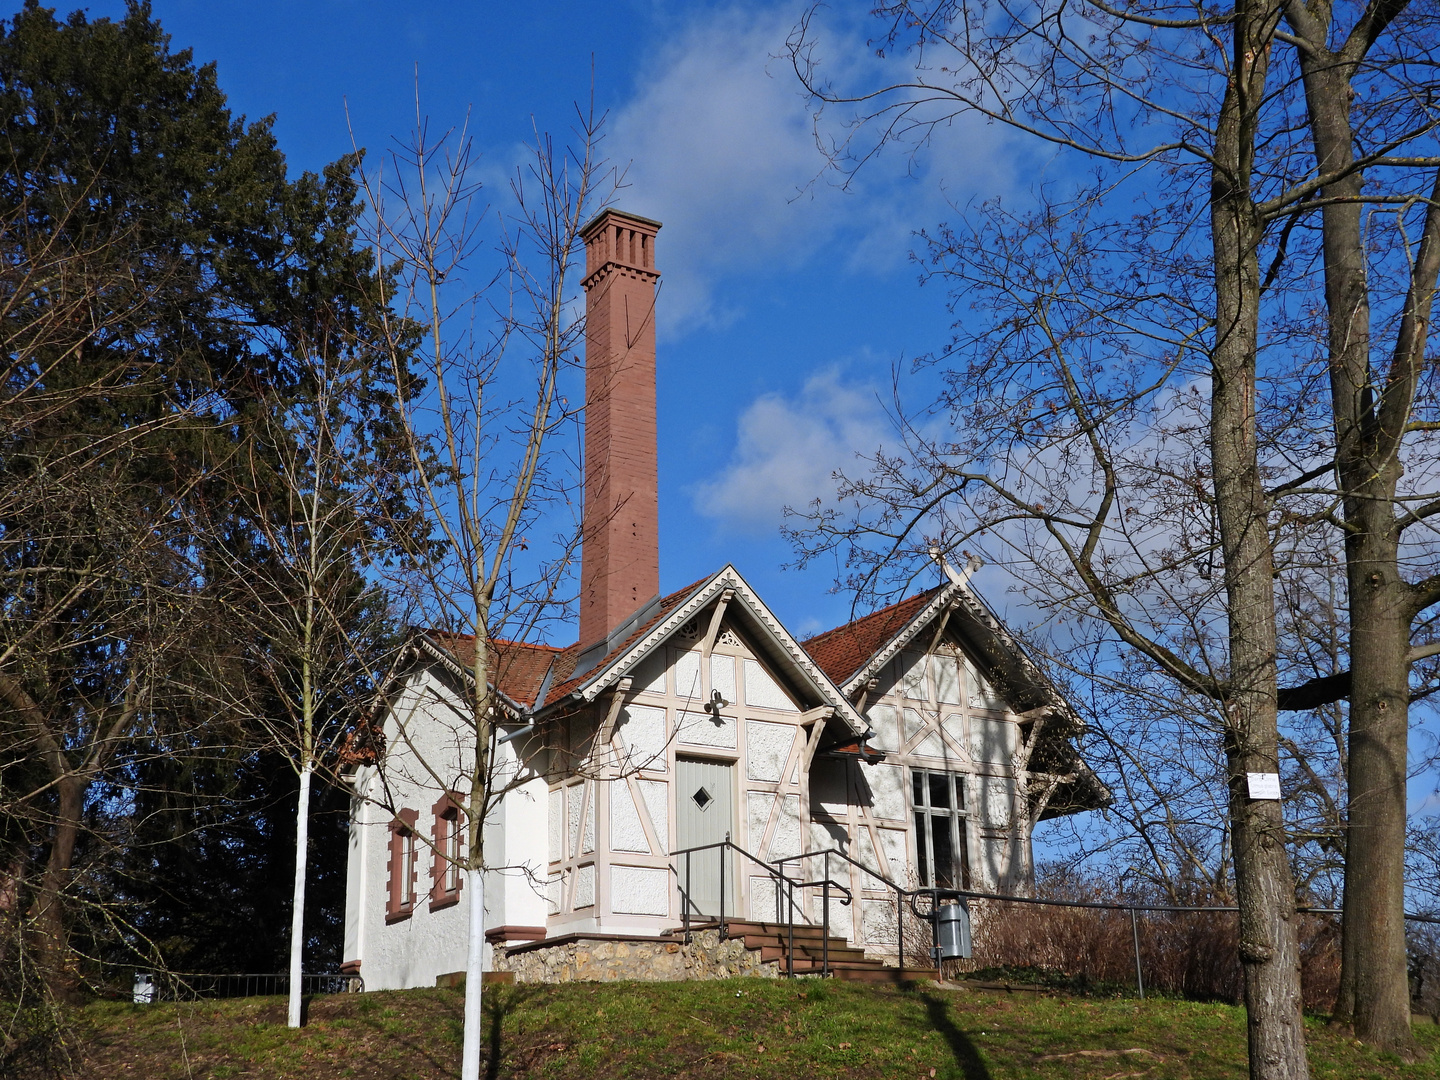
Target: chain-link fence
155 986
1188 951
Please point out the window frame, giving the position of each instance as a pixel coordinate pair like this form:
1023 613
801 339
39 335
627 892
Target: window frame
402 867
447 835
923 816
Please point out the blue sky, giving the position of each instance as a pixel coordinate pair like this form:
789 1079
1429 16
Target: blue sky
785 302
783 306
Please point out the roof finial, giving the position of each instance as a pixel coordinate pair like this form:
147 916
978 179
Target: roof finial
958 577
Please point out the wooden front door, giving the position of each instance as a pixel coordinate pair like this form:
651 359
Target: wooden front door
705 814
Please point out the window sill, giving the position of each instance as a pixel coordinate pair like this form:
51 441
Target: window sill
446 901
398 916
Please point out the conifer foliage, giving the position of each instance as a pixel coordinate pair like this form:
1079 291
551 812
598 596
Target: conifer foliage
165 290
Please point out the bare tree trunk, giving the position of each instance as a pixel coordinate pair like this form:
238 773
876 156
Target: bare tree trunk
1374 920
297 910
46 915
479 812
47 909
1382 606
1269 951
1374 988
474 975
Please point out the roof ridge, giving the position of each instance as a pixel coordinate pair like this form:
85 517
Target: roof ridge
533 644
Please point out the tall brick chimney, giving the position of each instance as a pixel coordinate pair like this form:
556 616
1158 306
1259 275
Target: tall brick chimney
620 559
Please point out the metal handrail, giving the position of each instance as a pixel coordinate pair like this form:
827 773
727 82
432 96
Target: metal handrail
783 882
900 891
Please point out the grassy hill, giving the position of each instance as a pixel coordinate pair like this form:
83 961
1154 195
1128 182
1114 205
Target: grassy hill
769 1030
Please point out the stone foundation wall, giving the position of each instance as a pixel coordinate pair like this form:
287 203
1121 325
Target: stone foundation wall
594 960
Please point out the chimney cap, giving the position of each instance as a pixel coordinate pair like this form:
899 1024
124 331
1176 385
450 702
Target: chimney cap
594 223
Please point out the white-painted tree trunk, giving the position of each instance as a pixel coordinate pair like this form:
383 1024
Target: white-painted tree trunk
470 1060
297 913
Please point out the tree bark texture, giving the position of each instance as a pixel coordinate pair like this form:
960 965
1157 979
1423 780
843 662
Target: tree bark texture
47 910
1269 951
1374 990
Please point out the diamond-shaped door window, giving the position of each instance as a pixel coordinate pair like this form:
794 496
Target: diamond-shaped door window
703 798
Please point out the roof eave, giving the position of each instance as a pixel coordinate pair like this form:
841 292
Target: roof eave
962 597
780 642
518 710
900 639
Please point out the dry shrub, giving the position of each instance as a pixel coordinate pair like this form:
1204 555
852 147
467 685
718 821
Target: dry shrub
1423 944
1185 954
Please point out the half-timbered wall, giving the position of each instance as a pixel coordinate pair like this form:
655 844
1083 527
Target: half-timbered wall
611 839
934 715
605 831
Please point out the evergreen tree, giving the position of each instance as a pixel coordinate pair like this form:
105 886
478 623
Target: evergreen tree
162 276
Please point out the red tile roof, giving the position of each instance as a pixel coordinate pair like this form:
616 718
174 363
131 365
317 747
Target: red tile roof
520 667
667 605
841 652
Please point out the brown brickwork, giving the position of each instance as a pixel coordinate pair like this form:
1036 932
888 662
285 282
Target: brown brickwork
401 865
620 561
446 878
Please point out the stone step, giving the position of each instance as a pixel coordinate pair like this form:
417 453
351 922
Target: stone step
846 961
803 931
770 951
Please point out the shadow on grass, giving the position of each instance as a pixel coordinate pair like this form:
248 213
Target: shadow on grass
500 1002
966 1055
377 1013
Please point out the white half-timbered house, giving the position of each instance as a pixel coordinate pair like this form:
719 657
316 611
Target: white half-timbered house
919 740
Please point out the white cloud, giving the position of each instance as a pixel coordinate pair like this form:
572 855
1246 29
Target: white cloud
721 148
788 450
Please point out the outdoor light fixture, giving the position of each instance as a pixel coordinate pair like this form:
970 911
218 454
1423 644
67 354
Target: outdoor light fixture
715 704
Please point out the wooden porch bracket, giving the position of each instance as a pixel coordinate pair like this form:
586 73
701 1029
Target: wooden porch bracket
863 697
617 698
820 712
813 743
715 617
940 626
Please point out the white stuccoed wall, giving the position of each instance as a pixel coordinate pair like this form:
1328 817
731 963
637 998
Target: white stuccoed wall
412 952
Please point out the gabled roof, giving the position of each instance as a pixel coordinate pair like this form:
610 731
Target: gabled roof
674 611
854 653
842 652
519 667
659 612
522 671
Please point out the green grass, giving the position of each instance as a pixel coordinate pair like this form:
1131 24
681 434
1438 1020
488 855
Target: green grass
750 1028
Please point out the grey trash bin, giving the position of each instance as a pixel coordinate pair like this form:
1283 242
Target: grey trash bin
952 932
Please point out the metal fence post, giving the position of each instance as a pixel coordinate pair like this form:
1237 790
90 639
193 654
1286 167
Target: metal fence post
1135 931
790 949
900 927
724 851
825 927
